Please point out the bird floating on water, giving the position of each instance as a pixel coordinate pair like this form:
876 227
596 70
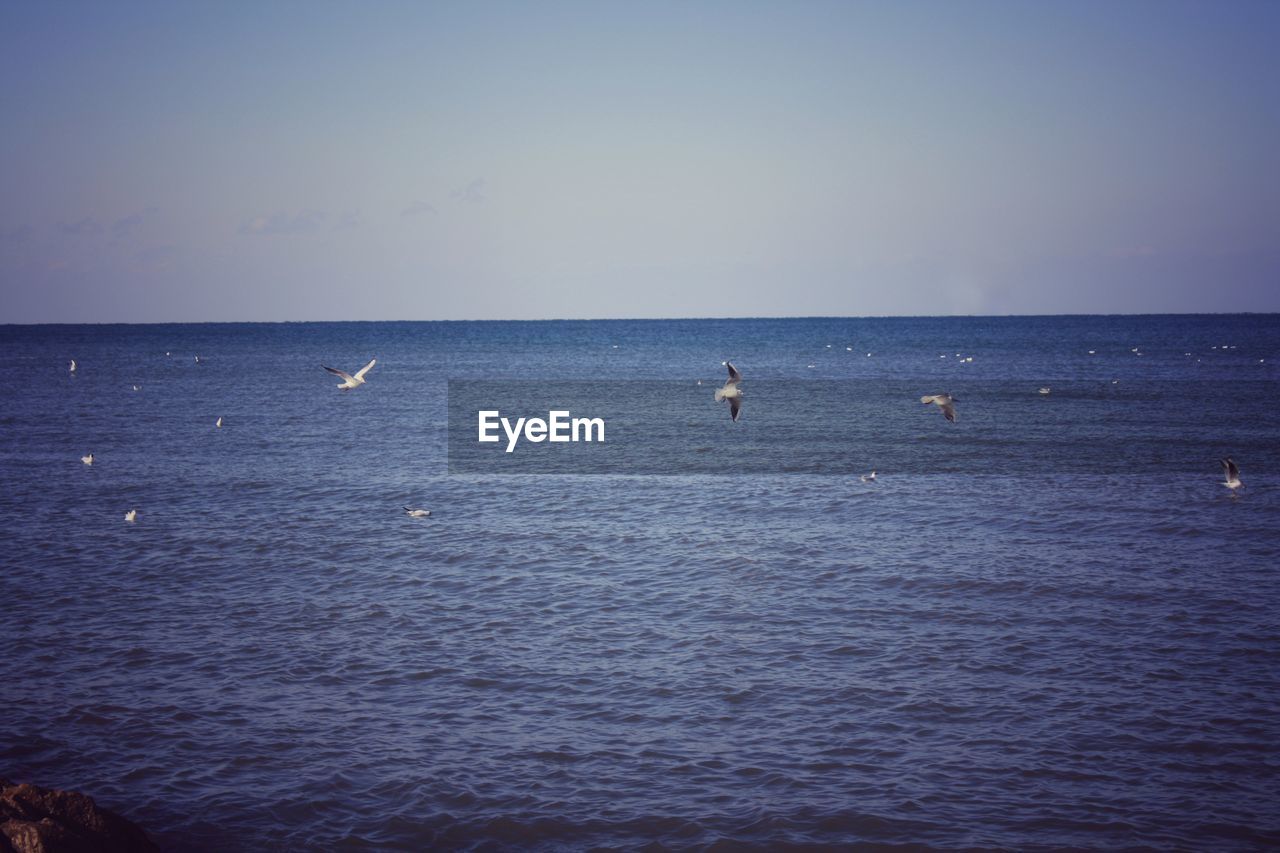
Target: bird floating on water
1045 390
868 478
137 388
731 391
349 381
88 460
945 402
218 423
131 515
417 513
73 366
1232 473
197 359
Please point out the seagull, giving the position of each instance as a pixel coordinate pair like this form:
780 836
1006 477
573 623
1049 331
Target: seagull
945 402
131 515
868 478
1091 352
349 381
731 392
1233 475
137 388
197 359
417 513
73 365
218 423
88 460
1045 390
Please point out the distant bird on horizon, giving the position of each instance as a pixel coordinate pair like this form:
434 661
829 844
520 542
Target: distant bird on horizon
945 402
88 460
349 381
417 513
1232 473
131 516
731 391
868 478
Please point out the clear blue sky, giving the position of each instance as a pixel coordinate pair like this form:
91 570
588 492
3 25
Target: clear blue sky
267 161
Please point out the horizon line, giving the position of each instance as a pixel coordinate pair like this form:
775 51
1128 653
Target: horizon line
648 319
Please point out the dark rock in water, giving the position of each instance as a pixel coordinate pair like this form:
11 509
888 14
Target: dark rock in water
41 820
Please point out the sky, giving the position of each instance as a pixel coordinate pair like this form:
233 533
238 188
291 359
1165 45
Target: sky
526 160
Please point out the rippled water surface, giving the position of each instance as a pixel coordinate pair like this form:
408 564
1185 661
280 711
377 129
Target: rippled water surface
959 655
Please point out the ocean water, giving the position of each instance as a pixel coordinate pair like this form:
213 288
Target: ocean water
1047 624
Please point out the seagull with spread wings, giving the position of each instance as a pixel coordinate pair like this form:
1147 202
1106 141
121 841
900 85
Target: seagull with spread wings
1232 473
349 381
945 402
731 391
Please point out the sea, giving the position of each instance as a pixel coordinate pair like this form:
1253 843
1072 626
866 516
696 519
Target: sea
1046 625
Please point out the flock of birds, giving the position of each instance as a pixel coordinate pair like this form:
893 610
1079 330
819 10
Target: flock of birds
732 394
728 393
349 381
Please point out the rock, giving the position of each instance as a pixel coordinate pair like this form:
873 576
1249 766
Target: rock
41 820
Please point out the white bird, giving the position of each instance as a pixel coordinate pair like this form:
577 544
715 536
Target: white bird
131 515
731 391
1045 390
868 478
1091 352
1233 475
417 513
136 388
88 460
945 402
218 423
349 381
73 365
197 359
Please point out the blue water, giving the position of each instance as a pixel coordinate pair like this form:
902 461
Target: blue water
963 654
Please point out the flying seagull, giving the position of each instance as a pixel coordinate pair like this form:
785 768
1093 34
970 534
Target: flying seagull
1233 475
349 381
88 460
945 402
417 513
131 515
731 392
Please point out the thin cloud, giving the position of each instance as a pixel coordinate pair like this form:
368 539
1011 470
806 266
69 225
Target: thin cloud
348 219
16 234
1133 252
472 193
126 225
302 222
86 227
418 208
